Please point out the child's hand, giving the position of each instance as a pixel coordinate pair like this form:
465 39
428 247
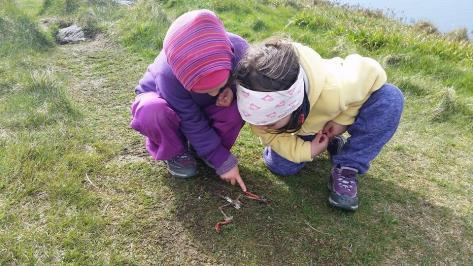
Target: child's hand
332 129
225 98
319 144
233 176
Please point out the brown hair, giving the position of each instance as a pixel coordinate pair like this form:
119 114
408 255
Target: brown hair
271 66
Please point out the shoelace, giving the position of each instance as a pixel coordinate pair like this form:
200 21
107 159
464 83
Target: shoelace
346 182
182 157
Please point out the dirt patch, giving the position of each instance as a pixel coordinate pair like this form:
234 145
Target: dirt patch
4 133
134 153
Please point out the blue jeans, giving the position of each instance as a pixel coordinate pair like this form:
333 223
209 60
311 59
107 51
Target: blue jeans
374 126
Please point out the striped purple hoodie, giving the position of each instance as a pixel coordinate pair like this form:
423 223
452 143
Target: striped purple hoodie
189 105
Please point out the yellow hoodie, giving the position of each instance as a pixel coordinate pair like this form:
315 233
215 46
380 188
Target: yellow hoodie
337 90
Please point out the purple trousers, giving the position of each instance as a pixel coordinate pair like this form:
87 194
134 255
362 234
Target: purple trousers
160 124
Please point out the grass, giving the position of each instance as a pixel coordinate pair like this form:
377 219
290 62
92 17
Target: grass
78 187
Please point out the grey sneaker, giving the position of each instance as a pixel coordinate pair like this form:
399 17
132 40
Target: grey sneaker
183 165
343 187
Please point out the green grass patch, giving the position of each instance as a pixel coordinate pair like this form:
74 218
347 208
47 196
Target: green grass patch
61 7
19 32
144 28
78 186
42 102
93 16
312 21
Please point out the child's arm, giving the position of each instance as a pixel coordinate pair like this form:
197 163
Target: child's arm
289 146
146 84
233 176
195 125
319 144
332 129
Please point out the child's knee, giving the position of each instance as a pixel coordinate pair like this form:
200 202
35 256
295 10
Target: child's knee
394 96
280 171
149 108
279 165
390 99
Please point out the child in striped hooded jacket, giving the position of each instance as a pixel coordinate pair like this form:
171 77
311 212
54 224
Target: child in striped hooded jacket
186 99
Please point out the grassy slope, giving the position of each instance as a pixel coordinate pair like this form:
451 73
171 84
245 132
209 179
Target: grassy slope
79 187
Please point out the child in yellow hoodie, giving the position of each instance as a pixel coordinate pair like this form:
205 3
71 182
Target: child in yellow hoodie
299 104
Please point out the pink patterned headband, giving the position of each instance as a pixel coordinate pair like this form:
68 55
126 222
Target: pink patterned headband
264 108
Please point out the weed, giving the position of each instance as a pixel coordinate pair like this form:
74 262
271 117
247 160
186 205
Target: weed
70 6
311 21
395 60
343 48
369 40
259 25
89 24
61 7
447 105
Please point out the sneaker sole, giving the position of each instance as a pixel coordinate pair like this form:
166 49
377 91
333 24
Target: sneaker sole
181 175
337 205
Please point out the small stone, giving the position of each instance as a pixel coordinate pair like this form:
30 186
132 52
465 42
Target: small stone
71 34
125 2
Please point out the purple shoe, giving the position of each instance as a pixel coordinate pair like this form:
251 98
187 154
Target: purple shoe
183 165
343 188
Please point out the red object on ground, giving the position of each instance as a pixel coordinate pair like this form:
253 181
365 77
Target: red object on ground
255 197
218 226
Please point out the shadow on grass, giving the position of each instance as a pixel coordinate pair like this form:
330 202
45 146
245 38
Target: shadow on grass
392 225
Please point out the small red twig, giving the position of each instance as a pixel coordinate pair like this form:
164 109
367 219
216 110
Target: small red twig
218 226
255 197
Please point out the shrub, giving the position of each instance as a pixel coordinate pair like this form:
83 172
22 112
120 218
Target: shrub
426 27
458 35
446 106
89 24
